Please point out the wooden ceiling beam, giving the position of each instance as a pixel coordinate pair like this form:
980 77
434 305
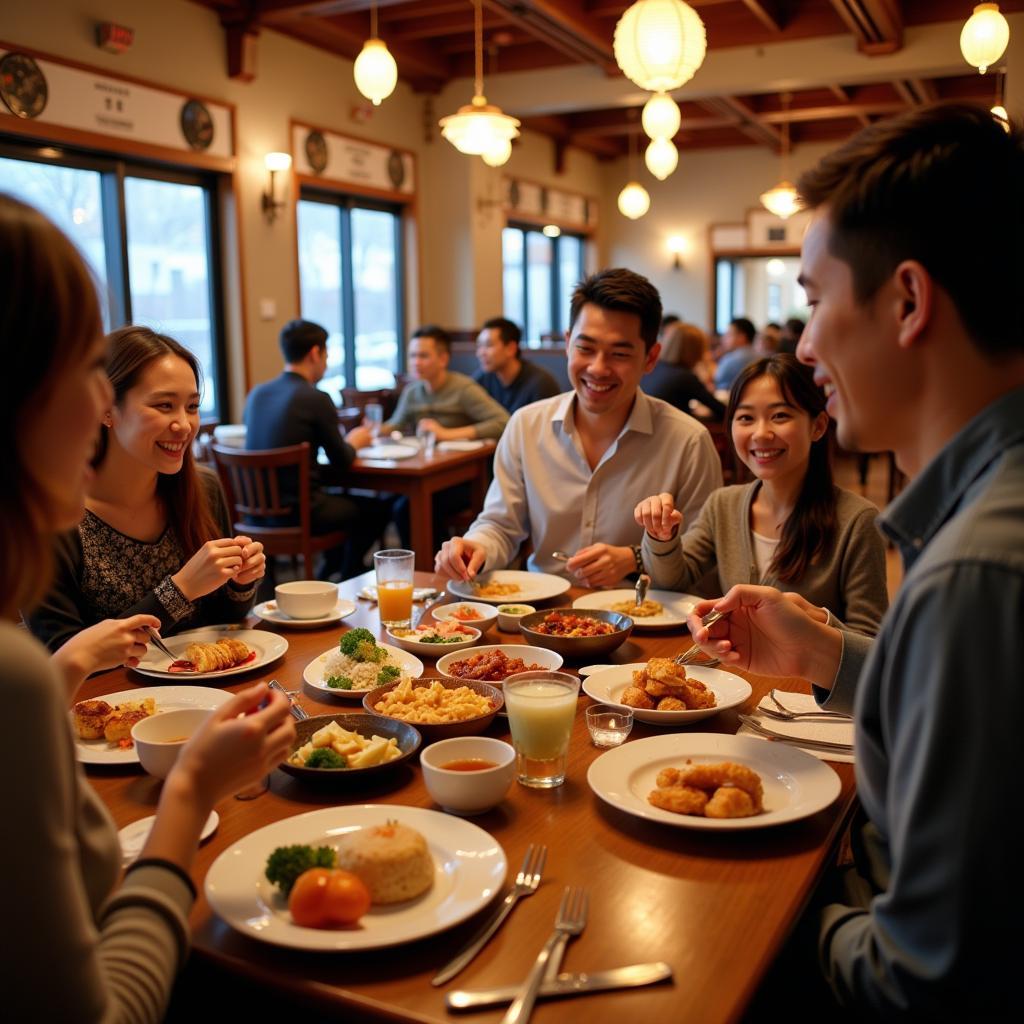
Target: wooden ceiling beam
800 115
767 12
564 25
915 92
316 8
744 119
877 25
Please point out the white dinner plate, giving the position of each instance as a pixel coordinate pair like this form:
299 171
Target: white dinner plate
676 606
469 870
168 698
460 446
314 671
269 612
608 685
133 837
796 785
531 586
414 646
388 452
268 647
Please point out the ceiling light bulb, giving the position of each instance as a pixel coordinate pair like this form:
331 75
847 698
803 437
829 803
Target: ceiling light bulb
661 117
660 44
984 37
782 200
497 153
375 71
661 158
634 201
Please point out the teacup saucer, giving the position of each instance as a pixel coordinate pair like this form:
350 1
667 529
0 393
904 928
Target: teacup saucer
269 612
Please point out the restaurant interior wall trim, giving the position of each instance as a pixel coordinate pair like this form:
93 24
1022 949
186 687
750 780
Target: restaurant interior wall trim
710 187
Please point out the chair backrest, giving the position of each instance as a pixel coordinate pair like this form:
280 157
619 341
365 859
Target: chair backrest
252 482
203 440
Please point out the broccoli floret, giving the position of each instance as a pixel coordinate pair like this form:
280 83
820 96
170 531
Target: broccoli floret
286 863
388 674
340 682
324 757
351 640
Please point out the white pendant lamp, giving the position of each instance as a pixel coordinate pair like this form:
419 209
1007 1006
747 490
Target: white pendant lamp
634 201
660 44
375 70
782 200
661 117
498 153
480 128
984 37
662 158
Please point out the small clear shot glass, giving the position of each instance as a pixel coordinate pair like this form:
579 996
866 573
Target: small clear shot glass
609 725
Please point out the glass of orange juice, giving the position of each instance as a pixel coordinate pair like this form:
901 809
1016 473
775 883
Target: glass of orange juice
394 587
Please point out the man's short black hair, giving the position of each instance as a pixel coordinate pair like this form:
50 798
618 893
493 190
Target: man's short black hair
298 337
668 319
745 327
625 292
442 339
509 331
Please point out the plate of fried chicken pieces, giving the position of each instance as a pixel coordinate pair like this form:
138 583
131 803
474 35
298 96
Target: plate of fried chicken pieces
663 693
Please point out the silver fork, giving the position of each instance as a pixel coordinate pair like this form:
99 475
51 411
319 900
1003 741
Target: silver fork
159 644
783 714
525 885
693 652
571 920
299 713
795 741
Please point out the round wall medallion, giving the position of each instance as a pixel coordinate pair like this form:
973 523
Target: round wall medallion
316 151
396 168
196 125
23 85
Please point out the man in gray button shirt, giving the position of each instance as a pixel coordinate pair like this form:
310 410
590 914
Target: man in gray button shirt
912 264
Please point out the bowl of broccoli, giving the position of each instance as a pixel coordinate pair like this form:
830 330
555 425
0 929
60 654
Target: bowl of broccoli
345 746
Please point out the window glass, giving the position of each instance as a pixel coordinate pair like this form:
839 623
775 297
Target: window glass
169 268
320 284
570 272
539 263
375 285
71 198
512 277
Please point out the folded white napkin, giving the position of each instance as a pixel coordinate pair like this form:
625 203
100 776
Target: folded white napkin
418 594
460 446
827 730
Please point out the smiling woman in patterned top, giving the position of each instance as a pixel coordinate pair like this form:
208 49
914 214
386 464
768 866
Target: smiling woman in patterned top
156 536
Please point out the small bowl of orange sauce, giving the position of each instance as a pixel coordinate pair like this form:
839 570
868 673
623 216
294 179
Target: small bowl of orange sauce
468 774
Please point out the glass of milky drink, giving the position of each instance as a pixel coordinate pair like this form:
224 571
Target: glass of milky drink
541 708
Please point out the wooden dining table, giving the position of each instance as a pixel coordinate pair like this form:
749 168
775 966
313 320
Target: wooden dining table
419 478
717 906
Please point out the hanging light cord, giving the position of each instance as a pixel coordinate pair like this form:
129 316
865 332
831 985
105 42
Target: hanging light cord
478 33
785 137
373 20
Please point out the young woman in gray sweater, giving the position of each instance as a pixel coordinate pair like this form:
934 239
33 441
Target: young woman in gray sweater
791 528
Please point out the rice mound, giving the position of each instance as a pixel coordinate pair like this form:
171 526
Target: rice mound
392 860
362 673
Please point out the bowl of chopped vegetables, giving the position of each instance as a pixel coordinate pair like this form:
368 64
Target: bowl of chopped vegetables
357 664
435 639
346 745
577 633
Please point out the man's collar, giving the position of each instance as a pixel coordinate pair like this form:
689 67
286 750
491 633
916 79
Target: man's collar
931 498
640 419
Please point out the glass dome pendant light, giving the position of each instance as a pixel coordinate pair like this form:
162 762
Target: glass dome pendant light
375 71
634 200
479 128
782 200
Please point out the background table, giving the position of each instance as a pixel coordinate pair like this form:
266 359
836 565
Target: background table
717 906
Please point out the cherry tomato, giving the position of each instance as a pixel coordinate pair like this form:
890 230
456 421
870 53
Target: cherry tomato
326 898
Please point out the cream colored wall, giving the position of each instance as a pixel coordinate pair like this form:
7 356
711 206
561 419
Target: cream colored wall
708 187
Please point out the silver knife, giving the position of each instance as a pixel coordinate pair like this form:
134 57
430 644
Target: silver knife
633 976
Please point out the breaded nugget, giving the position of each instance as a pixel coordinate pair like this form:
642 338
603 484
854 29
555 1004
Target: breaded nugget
119 724
89 717
667 777
729 802
634 697
671 704
725 773
679 799
666 670
697 695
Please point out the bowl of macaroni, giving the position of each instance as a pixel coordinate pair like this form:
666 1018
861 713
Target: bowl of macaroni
438 708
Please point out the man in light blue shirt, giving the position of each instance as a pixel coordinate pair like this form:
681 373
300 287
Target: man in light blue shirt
738 343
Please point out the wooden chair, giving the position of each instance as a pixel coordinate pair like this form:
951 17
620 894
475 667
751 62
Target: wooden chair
203 441
252 482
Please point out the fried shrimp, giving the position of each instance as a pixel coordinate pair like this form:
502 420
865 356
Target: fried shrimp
729 802
725 773
679 799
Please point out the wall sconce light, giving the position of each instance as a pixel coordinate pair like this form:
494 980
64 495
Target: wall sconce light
274 162
677 246
551 230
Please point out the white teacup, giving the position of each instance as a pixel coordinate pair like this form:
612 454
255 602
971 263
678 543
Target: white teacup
159 738
468 791
306 599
